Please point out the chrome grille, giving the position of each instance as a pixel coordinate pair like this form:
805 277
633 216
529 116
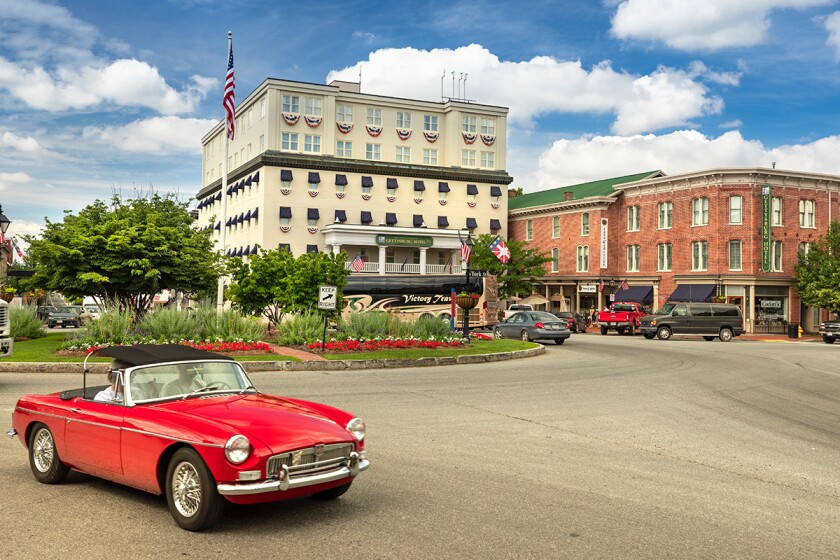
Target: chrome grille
4 315
310 460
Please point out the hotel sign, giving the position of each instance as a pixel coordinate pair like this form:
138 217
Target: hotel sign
604 242
766 209
404 240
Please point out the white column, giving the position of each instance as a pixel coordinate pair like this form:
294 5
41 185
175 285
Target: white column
336 249
423 259
382 259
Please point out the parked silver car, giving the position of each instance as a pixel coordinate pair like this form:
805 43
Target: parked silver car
533 325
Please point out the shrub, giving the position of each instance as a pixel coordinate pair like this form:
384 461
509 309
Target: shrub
25 323
113 326
378 324
301 329
169 324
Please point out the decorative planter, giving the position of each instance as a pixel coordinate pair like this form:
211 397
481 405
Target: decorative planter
466 302
7 297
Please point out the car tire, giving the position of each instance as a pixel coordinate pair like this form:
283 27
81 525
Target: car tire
649 336
497 333
559 341
525 336
44 461
191 492
828 339
709 338
725 334
603 330
664 333
632 330
332 493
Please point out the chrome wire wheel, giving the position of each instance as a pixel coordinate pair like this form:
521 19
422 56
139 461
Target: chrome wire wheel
43 450
186 489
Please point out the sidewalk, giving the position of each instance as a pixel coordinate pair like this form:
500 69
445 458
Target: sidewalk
294 353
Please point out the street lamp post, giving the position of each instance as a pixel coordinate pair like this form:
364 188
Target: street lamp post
4 221
4 227
470 244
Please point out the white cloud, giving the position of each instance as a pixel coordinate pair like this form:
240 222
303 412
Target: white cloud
159 135
569 162
11 180
731 124
665 98
707 25
27 145
832 24
122 82
365 36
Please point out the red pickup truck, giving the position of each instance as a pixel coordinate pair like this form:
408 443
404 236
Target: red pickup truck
624 316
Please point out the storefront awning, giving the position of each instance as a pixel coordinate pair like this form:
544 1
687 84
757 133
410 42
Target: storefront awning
693 292
638 294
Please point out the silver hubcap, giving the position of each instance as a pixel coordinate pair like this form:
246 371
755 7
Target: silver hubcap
725 335
43 450
186 489
497 333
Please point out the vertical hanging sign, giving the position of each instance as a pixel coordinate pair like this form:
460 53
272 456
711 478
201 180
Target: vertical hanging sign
765 228
604 242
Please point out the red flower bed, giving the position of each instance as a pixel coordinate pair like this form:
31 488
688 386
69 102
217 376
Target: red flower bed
480 336
386 344
216 346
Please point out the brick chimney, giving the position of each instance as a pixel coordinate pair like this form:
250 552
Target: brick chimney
511 193
568 195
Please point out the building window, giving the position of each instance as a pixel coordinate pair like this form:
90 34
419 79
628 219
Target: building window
488 125
555 227
804 248
373 152
806 213
262 108
403 154
403 119
291 104
666 215
344 148
699 255
344 113
584 223
777 256
663 263
429 156
735 205
314 106
468 124
488 160
633 254
633 219
374 117
735 254
312 143
468 158
262 143
776 213
529 230
700 212
289 141
430 123
583 258
555 260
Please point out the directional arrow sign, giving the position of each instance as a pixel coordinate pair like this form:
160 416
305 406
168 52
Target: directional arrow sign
327 297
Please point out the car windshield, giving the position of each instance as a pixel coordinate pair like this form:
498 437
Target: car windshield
187 378
542 316
69 309
666 309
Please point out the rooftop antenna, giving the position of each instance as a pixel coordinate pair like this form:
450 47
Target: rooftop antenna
453 84
460 77
441 85
465 86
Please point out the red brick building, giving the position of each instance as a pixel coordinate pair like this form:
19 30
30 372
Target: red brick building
652 238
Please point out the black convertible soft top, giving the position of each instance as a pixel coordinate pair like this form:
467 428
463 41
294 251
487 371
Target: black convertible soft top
146 354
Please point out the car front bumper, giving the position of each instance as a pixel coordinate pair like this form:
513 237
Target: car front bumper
284 482
6 346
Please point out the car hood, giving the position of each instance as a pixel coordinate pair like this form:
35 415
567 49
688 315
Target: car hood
278 423
647 319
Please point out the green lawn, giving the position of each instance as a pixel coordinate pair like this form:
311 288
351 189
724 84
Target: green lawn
475 347
43 350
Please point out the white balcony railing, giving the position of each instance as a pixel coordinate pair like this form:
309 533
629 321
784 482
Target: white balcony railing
407 268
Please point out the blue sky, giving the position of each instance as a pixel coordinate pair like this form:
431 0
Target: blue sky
114 96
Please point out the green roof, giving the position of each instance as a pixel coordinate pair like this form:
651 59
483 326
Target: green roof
604 187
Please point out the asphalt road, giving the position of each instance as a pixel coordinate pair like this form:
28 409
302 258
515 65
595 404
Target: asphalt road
605 447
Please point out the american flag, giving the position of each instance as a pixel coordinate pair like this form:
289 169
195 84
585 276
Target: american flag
601 286
358 263
465 252
229 99
625 285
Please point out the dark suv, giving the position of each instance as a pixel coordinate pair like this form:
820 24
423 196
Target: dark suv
710 320
830 331
576 322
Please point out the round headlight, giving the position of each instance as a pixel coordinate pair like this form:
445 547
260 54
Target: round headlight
237 449
356 426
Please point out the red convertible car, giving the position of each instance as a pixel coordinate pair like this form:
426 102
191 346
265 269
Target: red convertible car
189 424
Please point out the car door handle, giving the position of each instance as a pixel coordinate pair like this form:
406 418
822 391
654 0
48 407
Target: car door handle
75 410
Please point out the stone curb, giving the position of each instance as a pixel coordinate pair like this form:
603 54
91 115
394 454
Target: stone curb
329 365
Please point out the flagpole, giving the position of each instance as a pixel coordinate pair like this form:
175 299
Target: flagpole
220 292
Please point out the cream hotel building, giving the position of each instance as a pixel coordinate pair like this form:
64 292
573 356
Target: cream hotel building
328 168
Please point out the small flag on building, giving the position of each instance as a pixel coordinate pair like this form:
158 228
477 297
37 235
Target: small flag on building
601 286
465 249
498 248
625 286
229 99
358 263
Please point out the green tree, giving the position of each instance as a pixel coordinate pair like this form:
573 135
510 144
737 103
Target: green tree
817 274
518 276
274 282
124 253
